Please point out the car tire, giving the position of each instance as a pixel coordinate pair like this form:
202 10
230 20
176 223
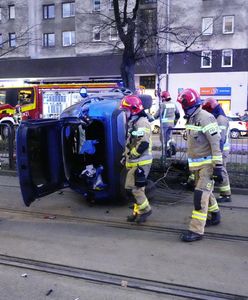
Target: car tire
235 134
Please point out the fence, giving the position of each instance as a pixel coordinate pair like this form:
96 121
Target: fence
237 161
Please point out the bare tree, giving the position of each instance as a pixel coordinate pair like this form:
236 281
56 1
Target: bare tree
145 34
126 26
18 41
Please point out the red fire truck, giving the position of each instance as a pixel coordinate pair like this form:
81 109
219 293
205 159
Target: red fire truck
43 100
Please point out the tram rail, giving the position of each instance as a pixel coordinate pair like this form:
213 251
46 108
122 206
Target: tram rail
124 225
106 278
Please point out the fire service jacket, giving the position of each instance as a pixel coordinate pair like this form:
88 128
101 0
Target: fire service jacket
169 113
203 140
223 124
138 150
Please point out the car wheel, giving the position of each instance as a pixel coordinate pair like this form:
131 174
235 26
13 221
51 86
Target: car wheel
234 134
156 129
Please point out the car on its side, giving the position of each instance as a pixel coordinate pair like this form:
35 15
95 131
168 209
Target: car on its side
81 150
237 127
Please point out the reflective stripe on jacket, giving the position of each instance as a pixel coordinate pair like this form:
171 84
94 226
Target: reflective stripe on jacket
168 112
223 124
203 140
138 131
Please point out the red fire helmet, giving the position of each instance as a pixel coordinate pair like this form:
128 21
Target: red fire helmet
165 96
189 98
132 103
209 104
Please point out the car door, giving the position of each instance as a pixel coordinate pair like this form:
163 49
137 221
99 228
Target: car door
40 156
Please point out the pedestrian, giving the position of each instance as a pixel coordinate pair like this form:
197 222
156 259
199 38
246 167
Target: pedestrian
137 157
212 106
169 115
205 161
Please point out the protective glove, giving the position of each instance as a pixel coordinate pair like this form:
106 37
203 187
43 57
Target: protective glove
134 154
140 177
217 174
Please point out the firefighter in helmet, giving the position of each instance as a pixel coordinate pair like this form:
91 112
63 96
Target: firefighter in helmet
169 115
137 157
212 106
205 161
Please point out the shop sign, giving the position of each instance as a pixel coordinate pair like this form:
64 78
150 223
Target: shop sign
215 91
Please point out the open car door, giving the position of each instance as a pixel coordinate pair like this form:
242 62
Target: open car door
41 157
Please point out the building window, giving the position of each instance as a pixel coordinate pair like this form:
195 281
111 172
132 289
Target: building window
96 5
48 40
12 39
11 12
148 81
113 34
0 13
206 59
228 24
49 11
68 9
68 38
96 34
1 40
227 58
207 26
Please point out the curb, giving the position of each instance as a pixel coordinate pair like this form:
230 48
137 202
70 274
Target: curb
12 173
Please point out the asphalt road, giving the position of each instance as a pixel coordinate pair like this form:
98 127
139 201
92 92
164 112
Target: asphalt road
63 229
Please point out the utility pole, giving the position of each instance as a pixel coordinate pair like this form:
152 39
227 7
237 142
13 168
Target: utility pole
167 44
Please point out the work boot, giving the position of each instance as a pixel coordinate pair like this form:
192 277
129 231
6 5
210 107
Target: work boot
191 236
224 198
132 218
141 218
215 219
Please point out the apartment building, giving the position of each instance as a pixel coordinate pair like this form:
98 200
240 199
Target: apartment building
201 44
217 65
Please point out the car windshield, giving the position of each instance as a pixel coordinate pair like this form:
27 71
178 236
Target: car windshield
245 118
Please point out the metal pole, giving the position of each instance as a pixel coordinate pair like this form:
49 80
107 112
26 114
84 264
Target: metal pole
167 44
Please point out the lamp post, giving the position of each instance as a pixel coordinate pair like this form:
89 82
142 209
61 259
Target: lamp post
167 44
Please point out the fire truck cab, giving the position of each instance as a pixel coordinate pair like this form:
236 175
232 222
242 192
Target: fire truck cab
42 100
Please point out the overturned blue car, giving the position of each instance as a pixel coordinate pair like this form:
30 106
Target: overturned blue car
81 150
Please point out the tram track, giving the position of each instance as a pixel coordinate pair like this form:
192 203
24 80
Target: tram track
149 227
112 279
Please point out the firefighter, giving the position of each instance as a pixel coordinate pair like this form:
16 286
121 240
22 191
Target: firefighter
205 161
212 106
169 115
137 157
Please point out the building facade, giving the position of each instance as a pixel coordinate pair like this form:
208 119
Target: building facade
199 43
